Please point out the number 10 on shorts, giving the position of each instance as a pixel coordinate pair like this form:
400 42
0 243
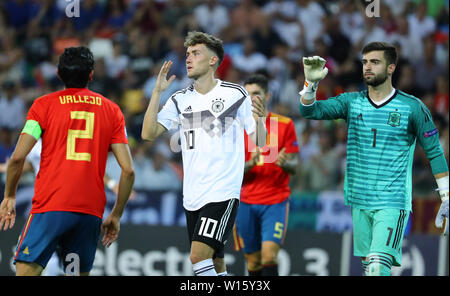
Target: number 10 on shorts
206 229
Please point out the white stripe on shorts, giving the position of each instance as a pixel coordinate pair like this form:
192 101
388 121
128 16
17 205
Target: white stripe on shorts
224 220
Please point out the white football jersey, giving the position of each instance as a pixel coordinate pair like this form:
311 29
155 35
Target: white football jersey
211 129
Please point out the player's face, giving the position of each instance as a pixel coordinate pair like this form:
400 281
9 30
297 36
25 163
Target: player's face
198 60
256 90
375 68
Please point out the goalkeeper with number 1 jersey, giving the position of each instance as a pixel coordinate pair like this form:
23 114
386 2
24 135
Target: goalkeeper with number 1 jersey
384 125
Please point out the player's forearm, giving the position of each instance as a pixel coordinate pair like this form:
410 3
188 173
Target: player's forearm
307 108
150 124
27 167
306 101
13 173
290 165
442 180
308 93
438 163
125 187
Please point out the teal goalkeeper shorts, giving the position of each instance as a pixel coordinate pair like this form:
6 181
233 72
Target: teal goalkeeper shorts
379 231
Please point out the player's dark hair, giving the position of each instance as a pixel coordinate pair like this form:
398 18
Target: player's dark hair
260 80
75 65
390 52
211 42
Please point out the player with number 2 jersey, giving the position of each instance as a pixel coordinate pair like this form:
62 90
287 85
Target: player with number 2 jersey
77 127
75 115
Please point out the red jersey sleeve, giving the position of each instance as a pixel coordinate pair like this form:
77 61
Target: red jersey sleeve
38 113
119 133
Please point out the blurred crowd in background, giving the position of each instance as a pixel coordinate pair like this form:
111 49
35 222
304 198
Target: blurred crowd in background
131 38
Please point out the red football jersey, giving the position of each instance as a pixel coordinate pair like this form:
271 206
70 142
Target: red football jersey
266 183
78 127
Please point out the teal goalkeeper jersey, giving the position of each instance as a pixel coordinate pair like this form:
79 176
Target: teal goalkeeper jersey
380 147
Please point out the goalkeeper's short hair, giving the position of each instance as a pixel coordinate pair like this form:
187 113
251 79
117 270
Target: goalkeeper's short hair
390 52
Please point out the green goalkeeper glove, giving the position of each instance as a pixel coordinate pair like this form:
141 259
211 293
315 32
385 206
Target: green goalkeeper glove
315 70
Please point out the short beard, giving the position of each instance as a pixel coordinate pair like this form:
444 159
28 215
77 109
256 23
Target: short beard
377 79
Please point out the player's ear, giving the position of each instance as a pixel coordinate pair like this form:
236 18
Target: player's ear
391 69
214 60
91 75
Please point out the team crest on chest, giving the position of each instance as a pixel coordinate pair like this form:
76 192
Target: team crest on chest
217 105
394 119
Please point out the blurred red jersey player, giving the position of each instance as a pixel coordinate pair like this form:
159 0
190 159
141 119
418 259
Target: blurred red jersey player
263 213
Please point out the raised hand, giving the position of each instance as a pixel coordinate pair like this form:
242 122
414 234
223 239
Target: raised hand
162 83
314 68
259 107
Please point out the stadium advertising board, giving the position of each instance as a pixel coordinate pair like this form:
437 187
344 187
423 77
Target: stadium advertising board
143 250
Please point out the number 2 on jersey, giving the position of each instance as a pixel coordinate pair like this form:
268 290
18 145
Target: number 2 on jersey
72 135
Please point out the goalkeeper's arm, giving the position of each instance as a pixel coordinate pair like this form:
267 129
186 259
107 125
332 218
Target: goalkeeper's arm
315 71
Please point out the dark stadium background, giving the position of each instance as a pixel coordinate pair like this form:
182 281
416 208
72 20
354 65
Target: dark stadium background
130 39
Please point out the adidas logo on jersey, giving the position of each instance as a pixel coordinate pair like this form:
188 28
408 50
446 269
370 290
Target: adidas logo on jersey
188 109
